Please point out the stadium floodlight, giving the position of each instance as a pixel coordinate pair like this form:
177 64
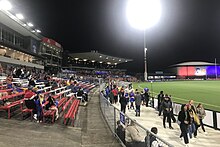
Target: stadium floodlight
38 31
5 5
143 14
20 16
30 24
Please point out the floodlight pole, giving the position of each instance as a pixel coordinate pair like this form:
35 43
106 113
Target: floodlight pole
145 58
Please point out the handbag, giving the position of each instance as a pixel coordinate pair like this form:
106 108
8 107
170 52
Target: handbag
196 119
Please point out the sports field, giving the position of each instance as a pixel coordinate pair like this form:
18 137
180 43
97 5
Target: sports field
205 92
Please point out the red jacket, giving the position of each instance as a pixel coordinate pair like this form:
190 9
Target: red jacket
29 94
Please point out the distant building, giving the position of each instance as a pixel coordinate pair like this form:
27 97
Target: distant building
202 70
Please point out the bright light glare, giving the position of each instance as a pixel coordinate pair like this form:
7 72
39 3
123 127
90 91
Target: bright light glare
143 14
19 16
38 31
5 5
30 24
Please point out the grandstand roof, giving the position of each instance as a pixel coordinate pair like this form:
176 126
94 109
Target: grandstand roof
197 63
98 57
15 24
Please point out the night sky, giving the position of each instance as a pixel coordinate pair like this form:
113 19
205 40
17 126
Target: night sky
189 30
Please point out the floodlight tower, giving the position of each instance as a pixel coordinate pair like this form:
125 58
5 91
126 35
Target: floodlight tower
143 14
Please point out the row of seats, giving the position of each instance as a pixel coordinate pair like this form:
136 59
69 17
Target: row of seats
68 104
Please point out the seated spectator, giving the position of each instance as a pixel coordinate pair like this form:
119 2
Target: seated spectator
120 131
153 139
80 93
52 106
133 138
29 94
38 108
31 82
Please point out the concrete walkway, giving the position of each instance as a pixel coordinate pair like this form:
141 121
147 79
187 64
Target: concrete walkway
95 132
149 118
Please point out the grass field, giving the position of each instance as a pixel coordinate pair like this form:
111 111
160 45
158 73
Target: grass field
205 92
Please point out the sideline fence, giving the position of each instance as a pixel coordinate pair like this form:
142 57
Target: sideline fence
119 124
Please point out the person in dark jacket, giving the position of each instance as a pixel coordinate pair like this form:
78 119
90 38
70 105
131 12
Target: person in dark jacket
120 131
122 100
167 108
160 99
146 96
31 82
138 102
52 106
184 119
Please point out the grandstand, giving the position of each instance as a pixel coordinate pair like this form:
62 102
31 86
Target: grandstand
22 45
95 64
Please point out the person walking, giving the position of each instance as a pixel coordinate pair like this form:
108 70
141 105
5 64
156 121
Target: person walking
201 114
184 119
160 99
131 95
146 96
167 108
138 101
115 93
122 100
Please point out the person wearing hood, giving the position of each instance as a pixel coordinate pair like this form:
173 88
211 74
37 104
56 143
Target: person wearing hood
167 108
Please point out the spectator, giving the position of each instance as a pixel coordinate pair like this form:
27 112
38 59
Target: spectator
138 103
201 114
31 82
167 108
52 106
38 108
146 96
133 138
153 139
131 95
79 94
122 100
184 119
115 93
160 99
194 124
120 131
111 97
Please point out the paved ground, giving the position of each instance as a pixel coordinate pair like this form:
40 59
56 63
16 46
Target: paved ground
90 130
149 118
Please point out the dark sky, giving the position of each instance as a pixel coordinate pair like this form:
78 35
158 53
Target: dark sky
188 30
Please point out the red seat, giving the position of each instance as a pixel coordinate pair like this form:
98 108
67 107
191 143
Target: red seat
26 110
61 102
8 107
67 115
48 113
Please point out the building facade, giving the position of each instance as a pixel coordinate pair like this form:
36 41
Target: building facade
52 51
